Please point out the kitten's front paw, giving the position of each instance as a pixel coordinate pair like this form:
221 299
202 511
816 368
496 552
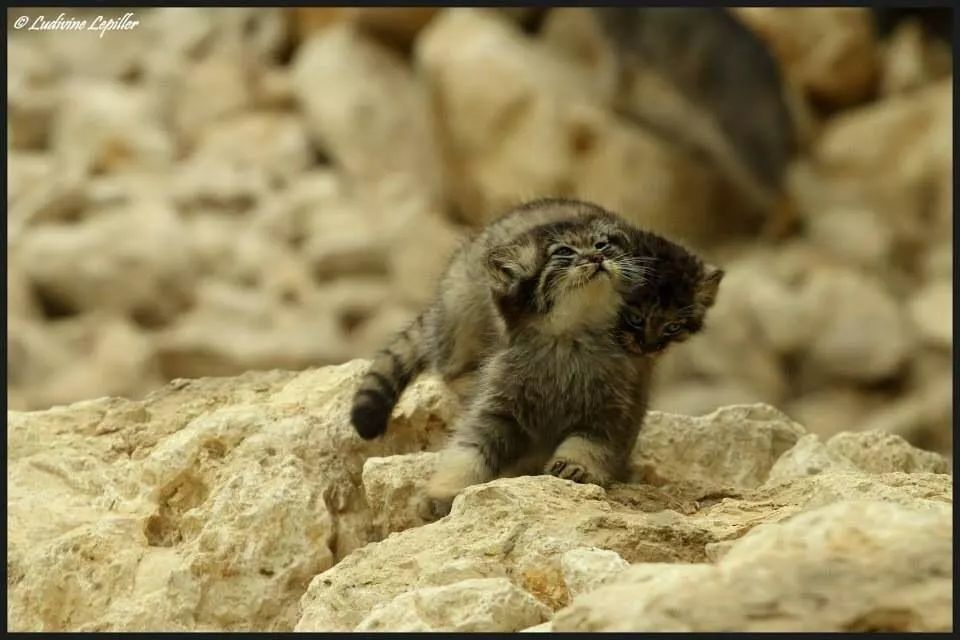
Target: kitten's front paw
569 470
431 509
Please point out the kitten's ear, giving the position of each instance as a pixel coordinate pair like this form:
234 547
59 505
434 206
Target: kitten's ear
709 284
507 264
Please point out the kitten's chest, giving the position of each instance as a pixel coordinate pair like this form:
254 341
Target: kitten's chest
562 385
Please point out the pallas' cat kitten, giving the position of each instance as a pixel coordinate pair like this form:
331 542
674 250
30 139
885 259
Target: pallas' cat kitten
531 324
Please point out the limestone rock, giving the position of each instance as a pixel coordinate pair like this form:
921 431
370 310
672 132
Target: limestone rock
207 506
376 124
483 604
276 143
394 25
711 450
830 52
931 310
393 487
588 568
881 567
882 452
518 119
518 526
862 333
131 262
105 127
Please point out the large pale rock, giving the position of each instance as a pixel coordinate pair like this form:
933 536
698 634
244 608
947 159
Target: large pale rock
33 95
275 143
520 121
861 333
892 156
730 448
104 127
931 310
849 566
517 526
480 604
394 25
586 569
365 109
208 506
77 358
133 262
829 52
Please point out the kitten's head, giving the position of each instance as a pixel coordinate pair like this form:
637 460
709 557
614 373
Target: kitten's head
564 275
672 303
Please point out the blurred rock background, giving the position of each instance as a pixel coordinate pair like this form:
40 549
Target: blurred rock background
226 189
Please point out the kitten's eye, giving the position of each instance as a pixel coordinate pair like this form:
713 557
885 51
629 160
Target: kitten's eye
562 251
600 246
634 321
672 327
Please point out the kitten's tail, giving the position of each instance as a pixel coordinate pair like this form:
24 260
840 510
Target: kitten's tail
391 371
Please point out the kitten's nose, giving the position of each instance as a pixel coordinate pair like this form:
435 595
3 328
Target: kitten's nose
597 257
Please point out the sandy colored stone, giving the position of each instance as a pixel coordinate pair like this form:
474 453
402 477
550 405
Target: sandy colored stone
861 333
712 450
520 121
931 310
105 126
830 52
881 567
130 262
207 506
376 125
482 604
587 568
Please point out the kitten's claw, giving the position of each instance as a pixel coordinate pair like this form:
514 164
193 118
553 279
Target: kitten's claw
568 470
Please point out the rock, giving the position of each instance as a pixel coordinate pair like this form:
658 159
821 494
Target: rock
517 526
485 604
831 53
376 124
588 568
241 489
673 448
394 25
33 95
882 567
854 166
911 60
931 310
881 452
274 143
861 333
859 236
807 458
394 487
107 127
250 488
831 409
519 119
865 451
131 262
923 416
80 357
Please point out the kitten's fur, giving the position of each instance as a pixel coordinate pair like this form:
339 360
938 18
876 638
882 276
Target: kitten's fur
563 396
561 388
462 327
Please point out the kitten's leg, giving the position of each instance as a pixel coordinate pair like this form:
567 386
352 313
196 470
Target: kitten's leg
587 458
485 445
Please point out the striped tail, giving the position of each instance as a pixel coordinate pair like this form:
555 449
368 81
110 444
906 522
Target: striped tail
391 371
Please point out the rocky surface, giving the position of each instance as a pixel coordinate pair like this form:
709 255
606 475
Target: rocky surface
220 190
248 503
